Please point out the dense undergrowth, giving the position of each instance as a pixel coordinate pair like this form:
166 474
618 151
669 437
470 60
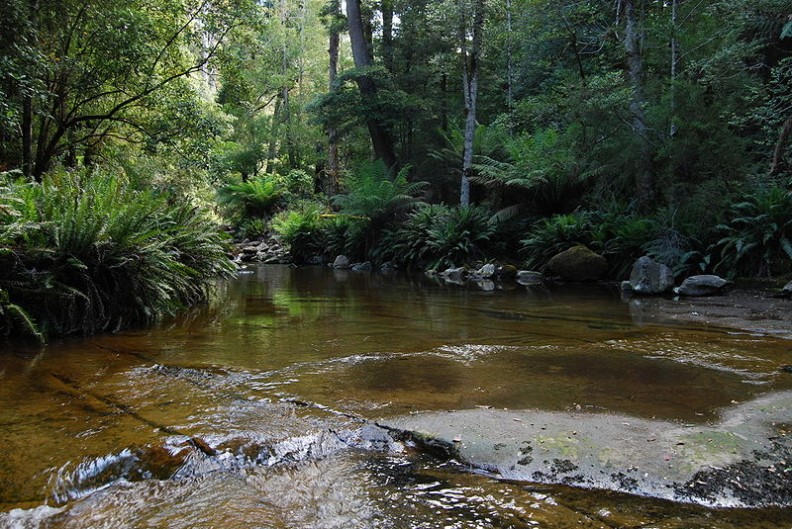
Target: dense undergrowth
85 252
381 217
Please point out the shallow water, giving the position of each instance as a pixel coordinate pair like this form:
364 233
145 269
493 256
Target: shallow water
249 414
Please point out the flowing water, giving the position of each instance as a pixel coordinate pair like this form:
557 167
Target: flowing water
255 412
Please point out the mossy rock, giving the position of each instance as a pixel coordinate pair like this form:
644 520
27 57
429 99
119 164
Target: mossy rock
578 263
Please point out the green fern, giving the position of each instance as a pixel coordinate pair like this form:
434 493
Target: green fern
378 197
756 239
551 236
255 197
86 252
437 236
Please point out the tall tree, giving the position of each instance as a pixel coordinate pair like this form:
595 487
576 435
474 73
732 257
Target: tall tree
334 26
471 56
633 37
100 64
380 138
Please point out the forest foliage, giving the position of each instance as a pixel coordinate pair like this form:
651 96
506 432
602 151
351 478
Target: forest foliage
659 127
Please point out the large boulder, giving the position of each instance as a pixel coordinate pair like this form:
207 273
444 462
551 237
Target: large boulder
578 263
702 285
650 277
506 272
341 262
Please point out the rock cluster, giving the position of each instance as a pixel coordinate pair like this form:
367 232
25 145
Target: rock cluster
649 277
268 251
342 262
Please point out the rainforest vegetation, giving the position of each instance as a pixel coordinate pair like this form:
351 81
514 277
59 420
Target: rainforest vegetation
422 133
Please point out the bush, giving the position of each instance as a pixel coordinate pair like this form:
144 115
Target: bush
681 253
440 236
551 236
378 198
296 184
86 253
623 239
256 197
756 239
344 234
301 229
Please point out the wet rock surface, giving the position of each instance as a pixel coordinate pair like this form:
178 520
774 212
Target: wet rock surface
744 460
650 277
702 285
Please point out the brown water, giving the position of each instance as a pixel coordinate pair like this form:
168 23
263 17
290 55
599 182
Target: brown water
247 414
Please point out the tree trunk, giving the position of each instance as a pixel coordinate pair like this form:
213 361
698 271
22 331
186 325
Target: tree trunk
510 67
331 173
380 139
470 81
632 47
674 62
273 143
387 34
27 136
783 141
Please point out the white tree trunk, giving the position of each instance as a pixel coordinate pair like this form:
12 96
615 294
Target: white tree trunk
470 81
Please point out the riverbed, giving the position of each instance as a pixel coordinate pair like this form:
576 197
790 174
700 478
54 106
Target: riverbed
319 398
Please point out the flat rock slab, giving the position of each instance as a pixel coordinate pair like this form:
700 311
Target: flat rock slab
745 460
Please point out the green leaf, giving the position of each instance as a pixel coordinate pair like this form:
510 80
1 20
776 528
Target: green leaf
786 246
786 32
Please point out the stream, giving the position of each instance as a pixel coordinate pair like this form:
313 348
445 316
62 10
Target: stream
313 398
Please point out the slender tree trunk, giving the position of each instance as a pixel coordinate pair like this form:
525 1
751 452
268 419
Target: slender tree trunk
27 136
387 34
510 67
470 82
331 184
674 62
290 144
632 47
783 141
272 151
444 102
380 139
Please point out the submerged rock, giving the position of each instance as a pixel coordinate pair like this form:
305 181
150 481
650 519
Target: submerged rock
388 266
530 277
787 290
650 277
487 285
454 274
578 263
361 267
702 285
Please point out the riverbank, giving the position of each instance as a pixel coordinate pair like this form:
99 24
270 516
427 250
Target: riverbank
751 306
